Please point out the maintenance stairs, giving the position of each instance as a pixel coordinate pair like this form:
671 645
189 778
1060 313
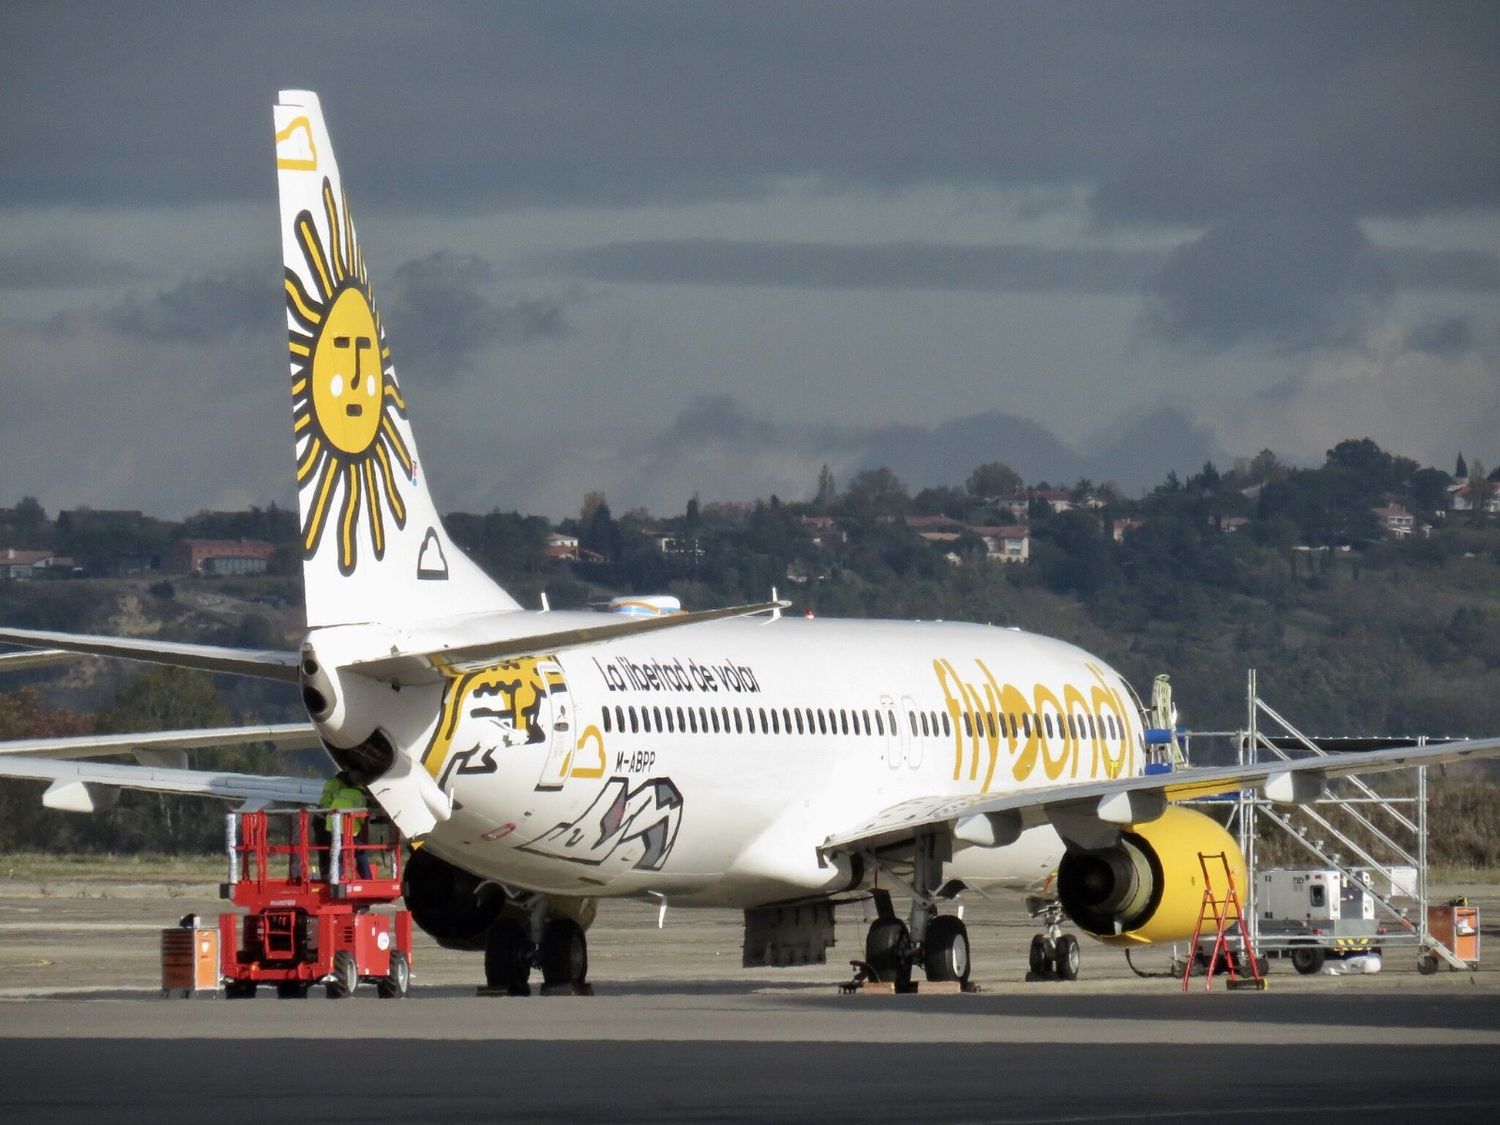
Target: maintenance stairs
1226 914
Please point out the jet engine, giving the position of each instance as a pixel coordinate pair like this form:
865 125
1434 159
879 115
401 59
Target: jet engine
454 907
1148 886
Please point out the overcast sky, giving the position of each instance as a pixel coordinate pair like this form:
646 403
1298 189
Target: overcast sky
659 249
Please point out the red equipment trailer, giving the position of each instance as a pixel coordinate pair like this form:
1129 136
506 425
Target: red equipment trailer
308 884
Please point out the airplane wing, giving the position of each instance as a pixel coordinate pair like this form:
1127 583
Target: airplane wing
988 819
73 783
266 664
283 736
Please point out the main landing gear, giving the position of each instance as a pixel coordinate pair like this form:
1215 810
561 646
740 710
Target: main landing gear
939 943
516 945
1054 955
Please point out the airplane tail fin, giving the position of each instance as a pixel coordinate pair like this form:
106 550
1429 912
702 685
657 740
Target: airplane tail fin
372 542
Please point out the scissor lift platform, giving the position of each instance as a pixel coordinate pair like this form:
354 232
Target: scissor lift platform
308 880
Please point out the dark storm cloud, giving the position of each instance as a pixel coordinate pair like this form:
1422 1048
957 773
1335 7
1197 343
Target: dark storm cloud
1444 339
1169 112
199 311
900 265
59 267
442 316
1284 277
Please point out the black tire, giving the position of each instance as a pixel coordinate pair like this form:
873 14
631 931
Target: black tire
240 990
888 951
1308 959
1427 964
946 949
1038 960
397 980
345 978
292 990
1069 957
507 957
565 953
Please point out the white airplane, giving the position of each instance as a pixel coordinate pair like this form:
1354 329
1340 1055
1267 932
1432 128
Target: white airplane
731 758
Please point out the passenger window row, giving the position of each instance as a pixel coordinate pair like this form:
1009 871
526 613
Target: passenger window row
846 721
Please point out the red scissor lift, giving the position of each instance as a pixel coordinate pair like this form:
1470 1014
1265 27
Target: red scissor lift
309 894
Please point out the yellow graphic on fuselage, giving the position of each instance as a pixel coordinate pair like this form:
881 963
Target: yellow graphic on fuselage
1039 728
345 401
515 703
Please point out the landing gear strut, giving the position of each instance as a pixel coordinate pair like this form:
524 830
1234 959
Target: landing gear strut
514 946
939 943
1054 955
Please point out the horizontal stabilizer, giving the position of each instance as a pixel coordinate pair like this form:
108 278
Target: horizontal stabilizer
34 658
253 788
266 664
413 665
283 736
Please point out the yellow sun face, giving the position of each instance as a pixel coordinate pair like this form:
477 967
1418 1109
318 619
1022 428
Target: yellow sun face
346 377
345 401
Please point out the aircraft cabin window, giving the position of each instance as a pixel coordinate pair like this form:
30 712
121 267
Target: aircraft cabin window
968 726
739 726
947 730
671 722
656 714
822 723
879 724
1093 729
634 722
1026 724
724 711
1072 728
890 722
912 716
714 717
775 722
765 722
844 721
798 713
681 722
703 719
606 720
1047 722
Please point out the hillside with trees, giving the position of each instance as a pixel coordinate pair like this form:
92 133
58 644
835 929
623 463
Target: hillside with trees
1366 590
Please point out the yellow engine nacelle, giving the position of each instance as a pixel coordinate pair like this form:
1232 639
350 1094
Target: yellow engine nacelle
1148 887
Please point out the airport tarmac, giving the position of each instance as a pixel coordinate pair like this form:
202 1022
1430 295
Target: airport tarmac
677 1030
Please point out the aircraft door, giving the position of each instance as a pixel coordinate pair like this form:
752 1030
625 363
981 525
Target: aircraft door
893 743
555 717
913 741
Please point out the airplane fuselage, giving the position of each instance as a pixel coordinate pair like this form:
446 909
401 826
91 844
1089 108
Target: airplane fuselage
708 764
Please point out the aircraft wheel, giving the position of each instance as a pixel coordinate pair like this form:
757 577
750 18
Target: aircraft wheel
1069 956
946 949
1308 959
565 953
888 950
1038 959
394 984
507 957
345 977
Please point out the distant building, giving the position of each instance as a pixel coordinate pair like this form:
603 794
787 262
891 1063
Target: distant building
560 546
1395 520
21 564
1122 528
1005 544
1461 497
220 556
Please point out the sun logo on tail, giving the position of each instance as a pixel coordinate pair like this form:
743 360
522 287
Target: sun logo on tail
345 401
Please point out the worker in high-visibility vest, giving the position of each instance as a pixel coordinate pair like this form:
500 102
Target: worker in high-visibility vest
340 794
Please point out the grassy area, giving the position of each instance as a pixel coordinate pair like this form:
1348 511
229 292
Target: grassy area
1448 876
43 866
